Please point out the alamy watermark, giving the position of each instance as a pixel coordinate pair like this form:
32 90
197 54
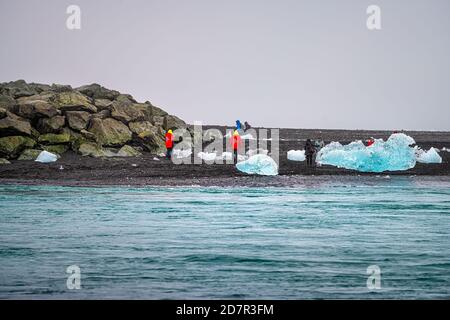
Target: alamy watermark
374 279
211 146
374 17
73 21
74 280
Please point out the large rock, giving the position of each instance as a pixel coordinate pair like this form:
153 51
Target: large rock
51 125
3 113
14 125
103 104
73 101
96 91
94 150
158 112
140 127
12 146
29 154
52 138
153 141
110 132
173 122
57 148
17 89
36 106
102 114
4 161
131 112
125 98
6 102
128 151
78 120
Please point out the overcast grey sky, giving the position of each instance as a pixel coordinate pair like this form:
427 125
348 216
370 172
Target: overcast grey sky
278 63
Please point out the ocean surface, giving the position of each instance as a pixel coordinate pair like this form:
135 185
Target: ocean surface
305 241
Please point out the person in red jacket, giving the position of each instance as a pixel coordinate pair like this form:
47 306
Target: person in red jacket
370 142
169 144
235 141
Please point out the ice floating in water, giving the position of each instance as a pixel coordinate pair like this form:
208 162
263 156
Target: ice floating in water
296 155
46 157
259 164
392 155
445 149
181 153
430 156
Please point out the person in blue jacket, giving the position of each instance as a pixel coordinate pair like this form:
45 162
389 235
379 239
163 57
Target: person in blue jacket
238 125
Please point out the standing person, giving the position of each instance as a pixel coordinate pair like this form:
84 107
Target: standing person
247 125
238 125
235 141
370 142
309 152
169 144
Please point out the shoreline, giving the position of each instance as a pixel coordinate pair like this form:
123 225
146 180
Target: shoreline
145 171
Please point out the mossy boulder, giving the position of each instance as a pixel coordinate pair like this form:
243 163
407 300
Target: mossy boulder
29 154
14 125
78 120
12 146
73 101
173 122
51 125
3 113
94 150
140 127
96 91
131 112
4 161
57 148
53 138
103 104
35 107
128 151
110 132
17 89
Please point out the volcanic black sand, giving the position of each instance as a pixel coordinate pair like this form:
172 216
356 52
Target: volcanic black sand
75 170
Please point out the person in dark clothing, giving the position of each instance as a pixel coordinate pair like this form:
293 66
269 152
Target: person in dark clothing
309 152
247 125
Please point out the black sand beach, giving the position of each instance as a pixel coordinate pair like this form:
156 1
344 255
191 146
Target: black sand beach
86 171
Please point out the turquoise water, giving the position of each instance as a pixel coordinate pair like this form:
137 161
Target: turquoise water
302 242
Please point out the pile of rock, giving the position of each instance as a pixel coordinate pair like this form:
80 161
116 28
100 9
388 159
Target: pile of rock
90 120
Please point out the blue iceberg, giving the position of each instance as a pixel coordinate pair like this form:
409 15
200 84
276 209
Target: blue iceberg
393 155
430 156
259 164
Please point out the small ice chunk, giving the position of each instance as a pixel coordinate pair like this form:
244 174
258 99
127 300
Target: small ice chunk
296 155
156 159
46 157
430 156
181 153
207 156
259 164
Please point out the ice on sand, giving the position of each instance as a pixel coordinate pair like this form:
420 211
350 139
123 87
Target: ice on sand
181 153
394 154
430 156
296 155
259 164
46 157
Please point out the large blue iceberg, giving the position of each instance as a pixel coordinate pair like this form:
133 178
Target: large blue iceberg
259 164
393 155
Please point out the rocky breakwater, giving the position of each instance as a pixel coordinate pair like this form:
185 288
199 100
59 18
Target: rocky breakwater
90 120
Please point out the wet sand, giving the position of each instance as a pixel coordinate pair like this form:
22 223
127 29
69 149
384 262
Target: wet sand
85 171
